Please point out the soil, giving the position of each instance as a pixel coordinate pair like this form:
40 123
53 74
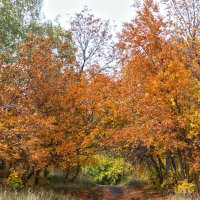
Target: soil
104 192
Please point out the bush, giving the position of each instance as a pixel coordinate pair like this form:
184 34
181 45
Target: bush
185 188
169 185
108 170
14 181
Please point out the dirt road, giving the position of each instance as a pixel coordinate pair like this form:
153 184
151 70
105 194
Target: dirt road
103 192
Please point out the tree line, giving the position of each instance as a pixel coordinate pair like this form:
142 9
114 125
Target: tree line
68 94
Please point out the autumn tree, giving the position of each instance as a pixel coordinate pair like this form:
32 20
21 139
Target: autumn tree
185 15
56 116
30 92
63 115
158 95
17 17
93 41
186 21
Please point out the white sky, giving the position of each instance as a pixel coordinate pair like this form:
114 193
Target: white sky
116 10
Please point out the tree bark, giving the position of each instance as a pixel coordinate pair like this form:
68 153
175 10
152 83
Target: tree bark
182 169
31 173
76 174
67 173
37 173
156 167
167 165
174 167
45 172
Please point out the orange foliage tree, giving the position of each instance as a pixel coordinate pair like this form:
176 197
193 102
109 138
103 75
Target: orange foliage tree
159 98
50 113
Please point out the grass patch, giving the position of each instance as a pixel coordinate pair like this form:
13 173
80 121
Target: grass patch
55 188
135 183
6 194
60 184
181 197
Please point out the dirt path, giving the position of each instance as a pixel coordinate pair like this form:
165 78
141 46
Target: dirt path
103 192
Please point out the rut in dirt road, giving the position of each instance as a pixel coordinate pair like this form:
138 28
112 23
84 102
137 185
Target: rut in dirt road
111 192
105 192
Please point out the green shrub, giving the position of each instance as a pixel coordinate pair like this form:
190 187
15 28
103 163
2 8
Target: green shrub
14 181
108 170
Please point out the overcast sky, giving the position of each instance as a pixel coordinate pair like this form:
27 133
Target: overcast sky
116 10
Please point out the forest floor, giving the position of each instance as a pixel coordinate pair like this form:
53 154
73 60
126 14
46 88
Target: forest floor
104 192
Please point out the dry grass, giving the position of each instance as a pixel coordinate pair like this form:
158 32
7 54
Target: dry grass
58 183
135 182
56 188
183 197
33 195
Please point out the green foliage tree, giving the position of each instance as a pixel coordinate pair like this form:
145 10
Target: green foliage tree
17 18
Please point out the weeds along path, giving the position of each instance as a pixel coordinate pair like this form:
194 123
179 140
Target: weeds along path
104 192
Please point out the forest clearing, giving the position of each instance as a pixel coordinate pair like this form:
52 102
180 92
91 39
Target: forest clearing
88 112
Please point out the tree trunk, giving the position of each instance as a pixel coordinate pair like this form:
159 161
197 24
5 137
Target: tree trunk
187 171
45 173
161 164
67 173
76 174
37 174
156 167
181 165
174 167
30 174
167 165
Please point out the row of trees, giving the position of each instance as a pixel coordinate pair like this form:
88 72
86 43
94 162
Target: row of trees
53 90
160 90
62 99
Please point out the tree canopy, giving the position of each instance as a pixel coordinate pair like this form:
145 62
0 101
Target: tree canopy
63 99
